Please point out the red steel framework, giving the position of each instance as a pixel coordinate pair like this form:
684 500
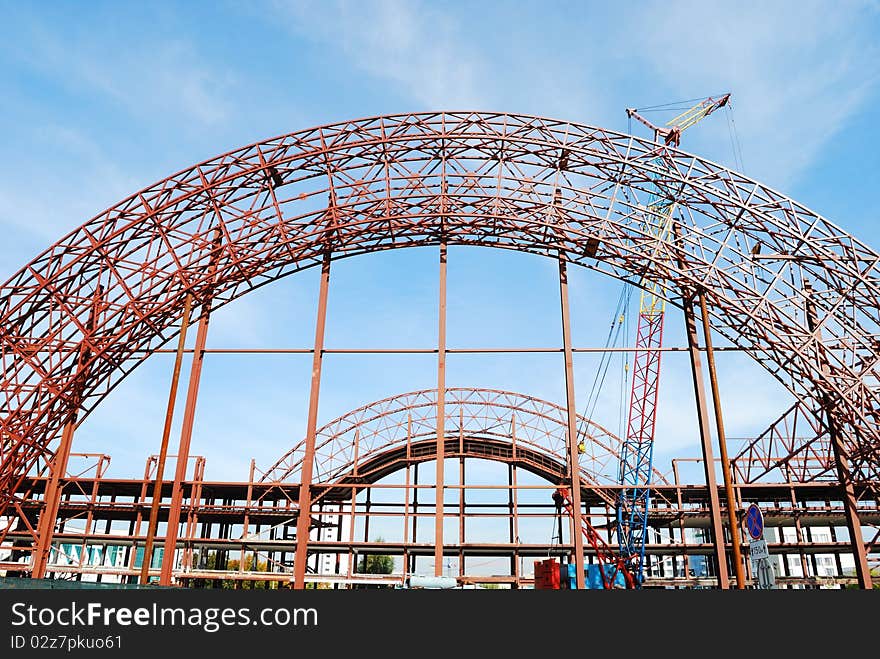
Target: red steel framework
781 283
254 522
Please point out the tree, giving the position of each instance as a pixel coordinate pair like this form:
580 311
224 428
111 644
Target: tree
376 563
875 577
210 562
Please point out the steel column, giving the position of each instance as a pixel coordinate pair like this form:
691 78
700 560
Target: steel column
682 535
513 503
461 494
415 504
406 505
352 557
570 403
461 516
722 446
46 527
163 449
135 527
303 522
716 529
511 516
441 416
798 532
189 413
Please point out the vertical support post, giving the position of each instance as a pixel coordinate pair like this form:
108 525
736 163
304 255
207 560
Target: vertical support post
750 578
461 507
717 530
441 415
163 449
134 530
356 449
799 536
90 515
515 504
576 535
722 446
511 533
189 414
303 521
815 565
46 526
841 457
837 562
406 505
338 565
352 557
192 518
250 498
461 488
415 504
368 504
683 537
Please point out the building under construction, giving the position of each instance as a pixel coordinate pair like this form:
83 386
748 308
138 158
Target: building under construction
742 263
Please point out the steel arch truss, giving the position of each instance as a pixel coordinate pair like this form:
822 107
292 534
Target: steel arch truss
533 425
87 311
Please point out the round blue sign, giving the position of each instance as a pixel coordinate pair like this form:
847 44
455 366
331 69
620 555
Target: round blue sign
755 522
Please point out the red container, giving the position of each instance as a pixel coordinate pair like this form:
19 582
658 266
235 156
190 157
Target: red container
547 575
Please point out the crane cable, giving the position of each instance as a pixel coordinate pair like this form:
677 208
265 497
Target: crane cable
686 104
613 338
735 145
624 374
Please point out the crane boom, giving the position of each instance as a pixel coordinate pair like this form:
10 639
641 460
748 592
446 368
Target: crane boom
636 457
605 556
671 132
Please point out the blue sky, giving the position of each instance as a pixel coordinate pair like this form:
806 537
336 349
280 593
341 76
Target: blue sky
101 99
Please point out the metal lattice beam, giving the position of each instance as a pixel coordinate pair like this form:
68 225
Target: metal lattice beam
511 181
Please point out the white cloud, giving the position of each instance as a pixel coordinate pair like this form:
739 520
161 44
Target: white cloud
798 71
69 171
414 46
159 79
41 202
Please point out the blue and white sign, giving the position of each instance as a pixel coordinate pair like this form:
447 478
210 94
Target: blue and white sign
762 566
758 550
755 522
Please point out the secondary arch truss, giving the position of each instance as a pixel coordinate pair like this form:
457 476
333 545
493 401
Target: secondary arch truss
477 420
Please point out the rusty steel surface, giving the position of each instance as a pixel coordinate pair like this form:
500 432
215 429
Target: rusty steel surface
303 523
163 446
706 446
186 431
440 417
786 286
572 436
512 181
730 497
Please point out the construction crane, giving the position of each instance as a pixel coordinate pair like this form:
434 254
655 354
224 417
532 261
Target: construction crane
636 457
